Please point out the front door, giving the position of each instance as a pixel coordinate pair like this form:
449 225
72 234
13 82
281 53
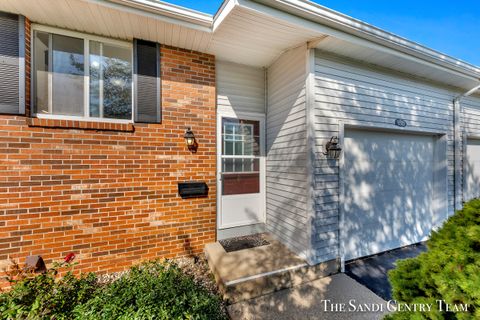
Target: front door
241 165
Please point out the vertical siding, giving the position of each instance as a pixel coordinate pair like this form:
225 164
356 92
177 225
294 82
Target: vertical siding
360 95
240 88
286 192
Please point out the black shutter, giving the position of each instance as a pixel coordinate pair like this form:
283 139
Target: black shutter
147 82
12 67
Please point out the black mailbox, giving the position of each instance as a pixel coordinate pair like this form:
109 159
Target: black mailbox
192 189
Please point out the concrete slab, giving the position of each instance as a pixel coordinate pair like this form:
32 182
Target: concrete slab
253 272
310 301
372 271
236 265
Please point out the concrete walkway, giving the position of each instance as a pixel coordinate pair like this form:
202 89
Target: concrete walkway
308 301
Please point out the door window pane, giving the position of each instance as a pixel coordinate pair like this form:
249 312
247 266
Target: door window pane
243 183
240 165
68 75
41 59
240 156
240 137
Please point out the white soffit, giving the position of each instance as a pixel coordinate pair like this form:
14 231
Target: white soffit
251 38
248 32
112 20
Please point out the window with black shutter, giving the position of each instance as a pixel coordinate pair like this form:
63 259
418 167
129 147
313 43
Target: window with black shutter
147 82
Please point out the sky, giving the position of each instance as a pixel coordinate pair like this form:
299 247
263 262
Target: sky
451 27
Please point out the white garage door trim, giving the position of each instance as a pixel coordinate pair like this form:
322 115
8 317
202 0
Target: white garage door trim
440 197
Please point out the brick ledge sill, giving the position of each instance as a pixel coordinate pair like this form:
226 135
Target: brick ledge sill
84 125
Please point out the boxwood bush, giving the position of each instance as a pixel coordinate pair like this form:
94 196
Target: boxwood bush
449 270
153 290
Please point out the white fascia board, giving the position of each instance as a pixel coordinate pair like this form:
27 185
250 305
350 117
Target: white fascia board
327 17
162 11
223 12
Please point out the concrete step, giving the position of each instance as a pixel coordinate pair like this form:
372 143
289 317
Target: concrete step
249 273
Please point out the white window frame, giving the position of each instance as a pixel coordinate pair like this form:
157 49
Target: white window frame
86 101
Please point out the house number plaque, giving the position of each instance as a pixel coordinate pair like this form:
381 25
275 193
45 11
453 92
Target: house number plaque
400 123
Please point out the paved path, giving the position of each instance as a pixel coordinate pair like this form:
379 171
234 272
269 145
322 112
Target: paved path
308 301
372 271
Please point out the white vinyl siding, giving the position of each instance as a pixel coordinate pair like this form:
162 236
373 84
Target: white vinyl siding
240 88
359 95
470 124
286 191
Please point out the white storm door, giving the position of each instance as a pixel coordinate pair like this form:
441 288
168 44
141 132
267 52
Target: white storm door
241 177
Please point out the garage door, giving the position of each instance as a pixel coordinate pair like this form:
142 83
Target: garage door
472 170
388 189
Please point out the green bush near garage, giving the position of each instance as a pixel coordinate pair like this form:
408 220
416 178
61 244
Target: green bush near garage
152 290
449 271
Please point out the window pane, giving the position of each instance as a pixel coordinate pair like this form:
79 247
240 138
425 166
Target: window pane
228 148
117 82
240 165
238 148
41 71
110 81
95 77
68 75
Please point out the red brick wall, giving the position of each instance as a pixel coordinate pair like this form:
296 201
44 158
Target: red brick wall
110 194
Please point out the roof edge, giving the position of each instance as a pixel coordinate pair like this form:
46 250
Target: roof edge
320 14
170 10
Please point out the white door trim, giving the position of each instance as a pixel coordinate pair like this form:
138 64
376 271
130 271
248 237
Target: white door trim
222 113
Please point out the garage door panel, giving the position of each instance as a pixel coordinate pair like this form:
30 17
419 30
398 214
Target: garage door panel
388 188
472 170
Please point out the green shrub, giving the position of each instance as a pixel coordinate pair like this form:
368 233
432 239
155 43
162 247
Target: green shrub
44 296
448 271
152 290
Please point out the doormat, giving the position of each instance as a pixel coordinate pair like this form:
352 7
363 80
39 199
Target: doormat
245 242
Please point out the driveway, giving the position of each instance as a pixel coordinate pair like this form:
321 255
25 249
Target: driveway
372 271
319 299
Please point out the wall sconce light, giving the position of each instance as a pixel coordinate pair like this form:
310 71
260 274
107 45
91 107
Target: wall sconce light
332 148
190 140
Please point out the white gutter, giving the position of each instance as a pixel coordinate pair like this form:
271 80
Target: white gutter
458 145
163 11
169 9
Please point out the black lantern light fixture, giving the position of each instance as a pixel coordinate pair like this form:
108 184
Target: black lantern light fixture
332 148
190 140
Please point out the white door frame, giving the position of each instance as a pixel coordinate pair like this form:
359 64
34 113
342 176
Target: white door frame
247 116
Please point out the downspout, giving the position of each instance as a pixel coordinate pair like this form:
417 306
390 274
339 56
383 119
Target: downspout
457 143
